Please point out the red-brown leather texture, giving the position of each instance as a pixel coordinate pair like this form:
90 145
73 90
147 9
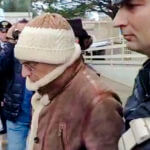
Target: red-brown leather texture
83 114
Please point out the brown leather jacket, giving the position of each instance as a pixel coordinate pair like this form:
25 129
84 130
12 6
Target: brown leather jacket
83 113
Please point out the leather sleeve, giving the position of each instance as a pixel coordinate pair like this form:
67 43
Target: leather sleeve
104 126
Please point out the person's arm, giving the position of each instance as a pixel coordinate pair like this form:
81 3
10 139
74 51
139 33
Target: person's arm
104 126
6 59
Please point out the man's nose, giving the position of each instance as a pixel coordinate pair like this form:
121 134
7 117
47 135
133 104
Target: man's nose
120 19
25 71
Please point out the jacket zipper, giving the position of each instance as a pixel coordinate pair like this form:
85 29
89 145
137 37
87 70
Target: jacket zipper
144 88
61 135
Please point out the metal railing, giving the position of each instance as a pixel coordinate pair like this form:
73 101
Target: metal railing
114 52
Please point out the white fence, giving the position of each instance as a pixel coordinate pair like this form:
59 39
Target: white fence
115 61
114 52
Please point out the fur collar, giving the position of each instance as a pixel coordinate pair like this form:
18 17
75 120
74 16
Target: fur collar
38 102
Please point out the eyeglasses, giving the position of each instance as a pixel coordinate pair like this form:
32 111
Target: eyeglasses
29 65
30 68
16 34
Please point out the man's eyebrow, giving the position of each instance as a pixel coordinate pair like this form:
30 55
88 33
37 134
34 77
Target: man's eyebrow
134 1
24 62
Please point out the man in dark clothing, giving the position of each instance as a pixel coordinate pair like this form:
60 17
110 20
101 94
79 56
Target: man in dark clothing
16 101
133 20
4 27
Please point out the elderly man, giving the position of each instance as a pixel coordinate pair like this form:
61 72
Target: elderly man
133 20
72 108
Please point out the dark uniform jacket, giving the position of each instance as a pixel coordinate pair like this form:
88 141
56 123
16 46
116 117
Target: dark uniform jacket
10 73
138 104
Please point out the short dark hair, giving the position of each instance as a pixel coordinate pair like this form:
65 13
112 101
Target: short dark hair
80 33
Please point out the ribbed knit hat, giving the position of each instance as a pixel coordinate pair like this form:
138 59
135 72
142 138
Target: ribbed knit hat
47 39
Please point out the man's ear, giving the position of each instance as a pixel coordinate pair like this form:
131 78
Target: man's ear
87 42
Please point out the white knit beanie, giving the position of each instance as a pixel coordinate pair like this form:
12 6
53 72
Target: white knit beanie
46 39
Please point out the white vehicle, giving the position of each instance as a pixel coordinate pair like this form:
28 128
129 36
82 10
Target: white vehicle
101 43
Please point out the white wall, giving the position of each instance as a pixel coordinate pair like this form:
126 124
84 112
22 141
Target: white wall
101 29
13 17
122 74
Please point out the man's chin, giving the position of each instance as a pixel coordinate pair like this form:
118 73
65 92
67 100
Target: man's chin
31 85
132 46
138 48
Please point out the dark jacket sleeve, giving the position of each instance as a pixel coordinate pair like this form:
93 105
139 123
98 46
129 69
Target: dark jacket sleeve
138 104
143 146
6 59
6 62
105 125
